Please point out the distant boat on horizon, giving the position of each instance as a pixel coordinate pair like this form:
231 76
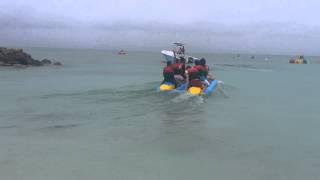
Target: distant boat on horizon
122 52
298 60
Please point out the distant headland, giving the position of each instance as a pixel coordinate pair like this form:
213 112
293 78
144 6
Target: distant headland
17 57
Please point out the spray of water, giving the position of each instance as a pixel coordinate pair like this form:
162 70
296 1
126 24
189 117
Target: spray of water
220 89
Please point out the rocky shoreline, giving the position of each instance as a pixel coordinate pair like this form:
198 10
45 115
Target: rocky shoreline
17 57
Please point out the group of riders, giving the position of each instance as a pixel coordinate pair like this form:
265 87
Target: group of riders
178 73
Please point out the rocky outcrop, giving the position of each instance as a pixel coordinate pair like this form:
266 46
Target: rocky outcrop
46 61
57 63
13 57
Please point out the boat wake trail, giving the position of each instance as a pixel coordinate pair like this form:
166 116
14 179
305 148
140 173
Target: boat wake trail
143 94
187 98
132 102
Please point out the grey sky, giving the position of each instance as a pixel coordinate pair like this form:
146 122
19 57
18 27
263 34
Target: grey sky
253 26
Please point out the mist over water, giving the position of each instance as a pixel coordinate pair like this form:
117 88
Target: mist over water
100 116
273 27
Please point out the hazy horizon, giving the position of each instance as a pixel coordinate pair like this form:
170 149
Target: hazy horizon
284 27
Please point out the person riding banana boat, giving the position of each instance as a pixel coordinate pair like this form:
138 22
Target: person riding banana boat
206 76
169 81
179 69
193 77
203 71
198 77
195 80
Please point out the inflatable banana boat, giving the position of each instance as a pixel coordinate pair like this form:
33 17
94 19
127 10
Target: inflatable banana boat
196 91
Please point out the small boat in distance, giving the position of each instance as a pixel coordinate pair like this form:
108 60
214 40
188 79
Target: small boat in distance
298 60
122 52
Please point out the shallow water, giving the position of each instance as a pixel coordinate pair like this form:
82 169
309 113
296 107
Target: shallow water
100 117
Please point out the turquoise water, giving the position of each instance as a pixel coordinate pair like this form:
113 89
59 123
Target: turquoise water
99 117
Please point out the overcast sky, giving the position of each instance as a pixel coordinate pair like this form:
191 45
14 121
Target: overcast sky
251 26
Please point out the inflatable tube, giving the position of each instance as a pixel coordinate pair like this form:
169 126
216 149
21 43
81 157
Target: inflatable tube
196 91
211 87
166 87
169 87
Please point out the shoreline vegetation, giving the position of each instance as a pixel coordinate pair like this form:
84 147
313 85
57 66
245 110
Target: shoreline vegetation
18 58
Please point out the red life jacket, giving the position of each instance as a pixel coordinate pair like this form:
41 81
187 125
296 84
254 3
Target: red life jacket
199 67
167 70
193 70
177 67
195 83
193 73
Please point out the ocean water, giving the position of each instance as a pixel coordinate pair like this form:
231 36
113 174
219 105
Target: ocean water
100 117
